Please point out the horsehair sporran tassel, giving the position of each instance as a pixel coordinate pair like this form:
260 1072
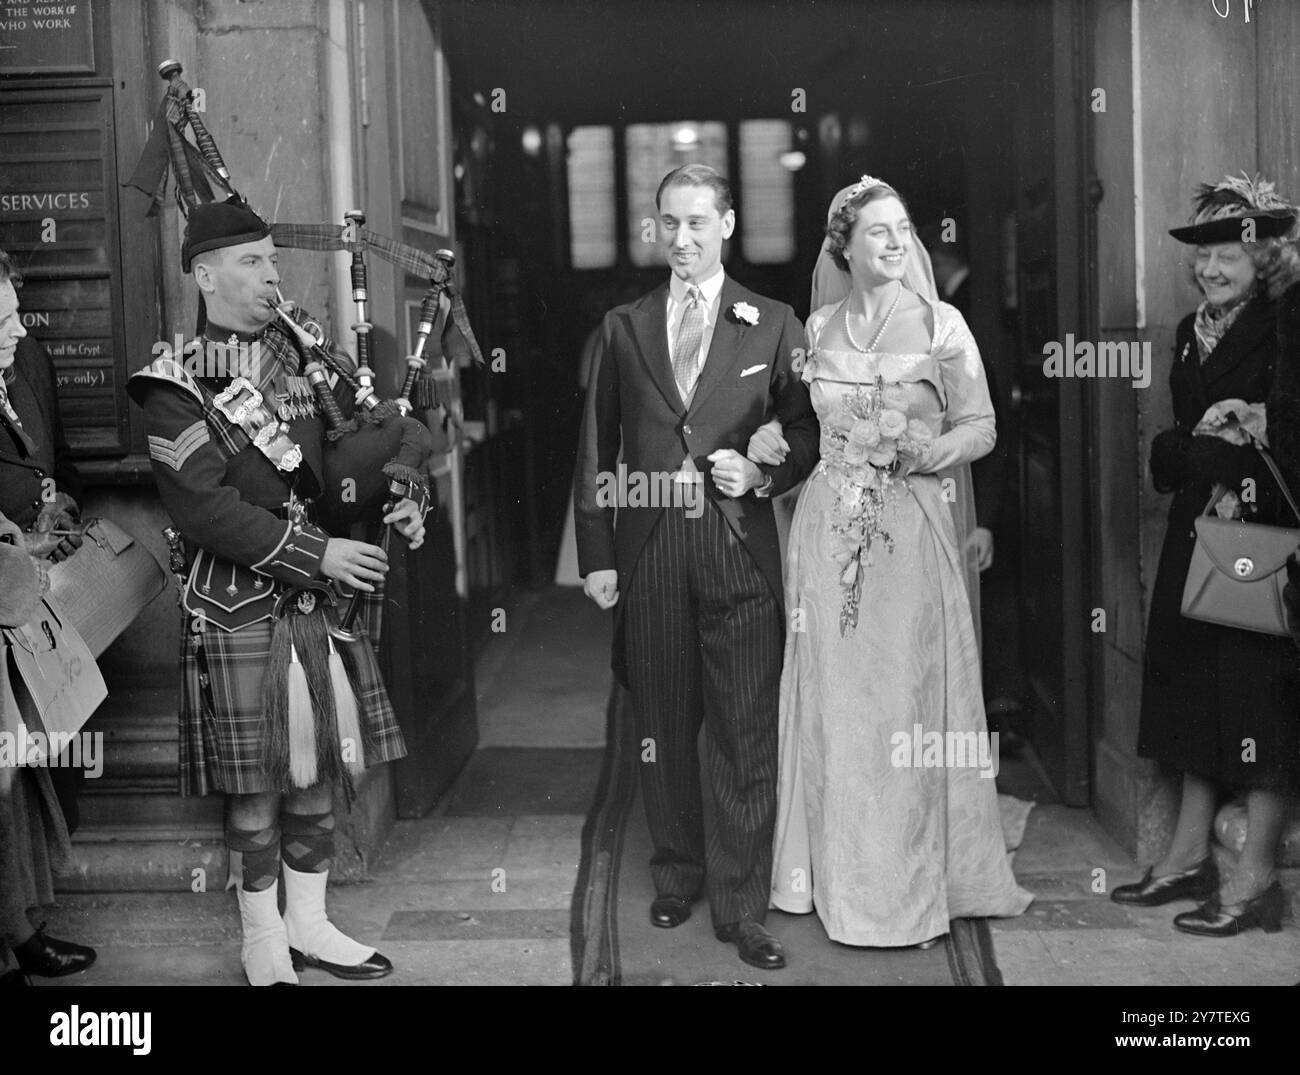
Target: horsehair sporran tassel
303 744
311 641
275 707
349 718
355 655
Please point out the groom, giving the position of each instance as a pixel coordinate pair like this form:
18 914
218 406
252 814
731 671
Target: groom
682 379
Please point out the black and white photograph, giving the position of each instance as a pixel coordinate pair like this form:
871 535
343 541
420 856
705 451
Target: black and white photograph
651 493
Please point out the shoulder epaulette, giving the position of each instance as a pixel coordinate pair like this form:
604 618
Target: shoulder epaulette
167 369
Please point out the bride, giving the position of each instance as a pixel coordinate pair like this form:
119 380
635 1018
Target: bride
887 816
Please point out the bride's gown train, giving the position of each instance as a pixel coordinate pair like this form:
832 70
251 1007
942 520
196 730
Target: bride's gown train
889 852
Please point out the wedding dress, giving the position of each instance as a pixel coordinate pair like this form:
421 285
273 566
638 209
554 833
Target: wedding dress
887 817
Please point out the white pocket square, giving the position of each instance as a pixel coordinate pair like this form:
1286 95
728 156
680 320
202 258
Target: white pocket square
753 369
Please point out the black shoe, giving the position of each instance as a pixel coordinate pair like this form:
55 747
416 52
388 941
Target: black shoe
376 966
756 946
50 957
1212 919
669 911
1198 883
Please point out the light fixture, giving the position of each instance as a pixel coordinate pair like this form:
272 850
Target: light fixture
532 141
685 136
793 161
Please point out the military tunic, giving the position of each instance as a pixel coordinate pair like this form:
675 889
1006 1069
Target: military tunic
230 500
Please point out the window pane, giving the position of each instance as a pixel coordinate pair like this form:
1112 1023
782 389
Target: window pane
654 150
420 108
592 241
766 192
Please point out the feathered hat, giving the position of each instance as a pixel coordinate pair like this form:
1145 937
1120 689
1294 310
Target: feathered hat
1222 209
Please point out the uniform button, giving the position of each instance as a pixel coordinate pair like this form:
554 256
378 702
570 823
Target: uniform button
40 473
36 504
686 430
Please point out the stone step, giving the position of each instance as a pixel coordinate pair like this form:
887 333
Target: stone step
128 706
140 744
146 808
138 858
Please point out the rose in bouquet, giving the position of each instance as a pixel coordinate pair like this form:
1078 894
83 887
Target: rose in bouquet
871 442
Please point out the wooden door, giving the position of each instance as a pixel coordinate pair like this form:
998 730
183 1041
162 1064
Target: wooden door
1050 256
426 654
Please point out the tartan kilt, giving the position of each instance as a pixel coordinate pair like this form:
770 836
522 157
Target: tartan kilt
221 725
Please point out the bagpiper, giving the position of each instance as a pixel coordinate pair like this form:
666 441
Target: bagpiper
274 707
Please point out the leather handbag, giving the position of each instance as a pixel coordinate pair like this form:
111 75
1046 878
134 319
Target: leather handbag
53 680
106 583
1238 570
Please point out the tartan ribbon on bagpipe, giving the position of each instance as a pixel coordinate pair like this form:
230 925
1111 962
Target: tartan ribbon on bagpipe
409 258
166 148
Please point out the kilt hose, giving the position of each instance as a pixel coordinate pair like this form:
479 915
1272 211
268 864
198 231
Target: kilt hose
704 636
221 726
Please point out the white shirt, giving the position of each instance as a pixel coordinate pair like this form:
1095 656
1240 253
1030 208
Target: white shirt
679 300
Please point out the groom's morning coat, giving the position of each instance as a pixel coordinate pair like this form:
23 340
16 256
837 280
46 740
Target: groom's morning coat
633 402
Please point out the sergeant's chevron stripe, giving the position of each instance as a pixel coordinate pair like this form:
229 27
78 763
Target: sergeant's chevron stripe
175 452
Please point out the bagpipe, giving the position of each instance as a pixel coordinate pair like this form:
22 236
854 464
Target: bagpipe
321 662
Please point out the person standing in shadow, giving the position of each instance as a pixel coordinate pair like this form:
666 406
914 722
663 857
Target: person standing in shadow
991 475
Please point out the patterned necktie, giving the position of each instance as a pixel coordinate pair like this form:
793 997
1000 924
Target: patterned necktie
11 417
686 351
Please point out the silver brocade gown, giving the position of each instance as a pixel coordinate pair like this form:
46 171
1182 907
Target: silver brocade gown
886 852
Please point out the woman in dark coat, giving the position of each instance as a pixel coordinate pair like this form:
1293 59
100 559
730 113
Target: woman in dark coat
1219 704
33 832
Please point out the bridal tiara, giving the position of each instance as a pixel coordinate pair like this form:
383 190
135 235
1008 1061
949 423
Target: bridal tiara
864 183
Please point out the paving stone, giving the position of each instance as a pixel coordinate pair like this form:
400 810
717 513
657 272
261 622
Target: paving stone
1099 913
478 924
545 843
485 962
439 848
508 781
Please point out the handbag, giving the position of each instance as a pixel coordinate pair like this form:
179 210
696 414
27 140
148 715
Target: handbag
53 680
1238 570
106 583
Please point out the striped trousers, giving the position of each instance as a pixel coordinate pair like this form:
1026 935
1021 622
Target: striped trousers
705 638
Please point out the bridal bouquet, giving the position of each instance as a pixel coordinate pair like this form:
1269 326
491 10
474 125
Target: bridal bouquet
871 440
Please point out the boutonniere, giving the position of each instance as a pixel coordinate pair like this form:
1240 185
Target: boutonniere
745 313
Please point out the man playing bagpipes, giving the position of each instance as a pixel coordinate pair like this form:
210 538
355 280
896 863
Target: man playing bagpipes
277 703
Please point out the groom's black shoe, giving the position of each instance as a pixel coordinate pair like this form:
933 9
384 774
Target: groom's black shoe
669 911
756 946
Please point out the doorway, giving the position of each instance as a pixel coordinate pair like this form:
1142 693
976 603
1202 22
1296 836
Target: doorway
565 123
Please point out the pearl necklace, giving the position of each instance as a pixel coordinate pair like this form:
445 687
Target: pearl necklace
848 328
